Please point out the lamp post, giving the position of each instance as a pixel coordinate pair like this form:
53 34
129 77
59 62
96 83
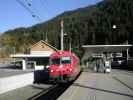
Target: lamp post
113 38
114 27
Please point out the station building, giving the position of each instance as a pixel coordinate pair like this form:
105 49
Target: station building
37 58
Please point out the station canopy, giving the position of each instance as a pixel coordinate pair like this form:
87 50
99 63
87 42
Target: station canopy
106 48
90 49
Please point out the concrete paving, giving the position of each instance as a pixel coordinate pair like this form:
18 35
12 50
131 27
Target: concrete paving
24 93
89 86
124 77
12 72
98 86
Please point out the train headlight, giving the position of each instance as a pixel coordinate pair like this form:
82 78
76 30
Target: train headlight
60 66
70 69
119 62
51 71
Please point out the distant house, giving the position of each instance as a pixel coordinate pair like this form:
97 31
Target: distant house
42 47
38 57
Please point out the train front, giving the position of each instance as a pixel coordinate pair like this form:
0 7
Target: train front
61 67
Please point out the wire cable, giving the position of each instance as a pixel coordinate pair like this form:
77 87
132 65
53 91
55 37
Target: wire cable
29 10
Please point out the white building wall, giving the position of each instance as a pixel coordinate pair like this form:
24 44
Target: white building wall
46 53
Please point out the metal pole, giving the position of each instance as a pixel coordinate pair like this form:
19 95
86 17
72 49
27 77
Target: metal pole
62 33
127 52
70 44
46 38
127 55
14 52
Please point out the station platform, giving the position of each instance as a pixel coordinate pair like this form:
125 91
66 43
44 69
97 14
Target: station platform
11 72
99 86
11 79
24 93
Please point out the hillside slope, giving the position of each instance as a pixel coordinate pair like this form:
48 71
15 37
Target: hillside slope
89 25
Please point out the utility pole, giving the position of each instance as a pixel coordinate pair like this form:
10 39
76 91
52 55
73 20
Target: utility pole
14 52
70 45
127 52
62 33
46 38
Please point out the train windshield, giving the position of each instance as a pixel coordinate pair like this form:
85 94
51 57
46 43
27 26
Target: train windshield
55 61
62 60
65 60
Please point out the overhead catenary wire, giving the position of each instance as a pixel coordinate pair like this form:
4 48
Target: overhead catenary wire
29 3
29 10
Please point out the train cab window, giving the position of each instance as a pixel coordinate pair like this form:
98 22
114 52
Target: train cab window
55 61
66 60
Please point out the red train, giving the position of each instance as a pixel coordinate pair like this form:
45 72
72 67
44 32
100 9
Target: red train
63 66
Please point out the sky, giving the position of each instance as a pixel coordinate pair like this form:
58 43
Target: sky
14 15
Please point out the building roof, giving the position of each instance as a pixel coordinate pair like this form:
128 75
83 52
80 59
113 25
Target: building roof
90 49
37 51
41 41
106 48
30 55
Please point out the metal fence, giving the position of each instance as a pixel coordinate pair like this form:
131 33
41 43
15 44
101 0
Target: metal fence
8 60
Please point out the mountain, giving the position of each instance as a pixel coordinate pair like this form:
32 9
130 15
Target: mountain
88 25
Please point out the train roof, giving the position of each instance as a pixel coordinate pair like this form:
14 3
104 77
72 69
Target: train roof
61 53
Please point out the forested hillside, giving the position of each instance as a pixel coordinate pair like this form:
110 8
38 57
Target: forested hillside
89 25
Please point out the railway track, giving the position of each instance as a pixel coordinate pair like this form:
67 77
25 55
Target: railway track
35 97
53 92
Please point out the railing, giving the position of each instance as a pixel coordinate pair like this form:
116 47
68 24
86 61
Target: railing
8 60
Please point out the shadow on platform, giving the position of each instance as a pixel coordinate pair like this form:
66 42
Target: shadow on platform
10 66
102 90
